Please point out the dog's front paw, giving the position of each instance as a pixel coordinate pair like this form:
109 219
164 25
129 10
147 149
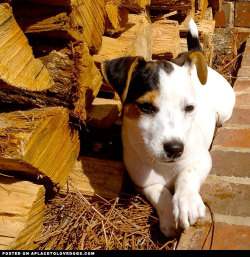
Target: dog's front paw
187 208
167 225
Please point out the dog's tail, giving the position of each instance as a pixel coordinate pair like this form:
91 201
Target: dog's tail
193 37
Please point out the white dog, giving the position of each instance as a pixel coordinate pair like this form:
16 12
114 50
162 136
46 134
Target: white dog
170 110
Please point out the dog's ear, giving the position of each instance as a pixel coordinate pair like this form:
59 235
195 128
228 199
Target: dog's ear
194 58
118 72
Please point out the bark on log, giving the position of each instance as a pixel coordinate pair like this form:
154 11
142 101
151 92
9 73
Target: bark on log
21 213
136 5
77 82
38 142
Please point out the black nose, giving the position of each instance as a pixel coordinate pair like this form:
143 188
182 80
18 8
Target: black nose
173 149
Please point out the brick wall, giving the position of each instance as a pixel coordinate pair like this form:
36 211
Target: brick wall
233 22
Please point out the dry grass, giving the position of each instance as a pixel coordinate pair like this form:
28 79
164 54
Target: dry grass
77 222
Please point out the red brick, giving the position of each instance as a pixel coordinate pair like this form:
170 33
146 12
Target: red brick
246 60
240 116
242 14
223 18
226 237
243 99
244 72
233 138
242 35
242 85
224 196
230 163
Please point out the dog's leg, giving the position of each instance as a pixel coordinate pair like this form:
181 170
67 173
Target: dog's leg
161 198
187 203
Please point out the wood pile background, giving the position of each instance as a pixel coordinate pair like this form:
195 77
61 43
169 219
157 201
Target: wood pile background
51 84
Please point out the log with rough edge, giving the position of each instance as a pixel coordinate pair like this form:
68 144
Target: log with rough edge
135 41
21 213
38 143
19 70
81 20
77 82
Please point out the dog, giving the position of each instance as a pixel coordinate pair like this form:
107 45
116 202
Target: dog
170 111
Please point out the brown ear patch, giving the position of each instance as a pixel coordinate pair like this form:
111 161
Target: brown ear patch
199 61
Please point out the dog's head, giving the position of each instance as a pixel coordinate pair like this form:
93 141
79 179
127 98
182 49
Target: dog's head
159 99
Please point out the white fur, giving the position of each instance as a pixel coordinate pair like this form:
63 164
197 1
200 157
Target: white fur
173 187
193 28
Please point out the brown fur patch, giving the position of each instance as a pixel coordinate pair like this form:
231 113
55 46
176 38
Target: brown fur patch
131 111
149 97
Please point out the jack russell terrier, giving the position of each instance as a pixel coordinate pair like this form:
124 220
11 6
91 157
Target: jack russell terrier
170 111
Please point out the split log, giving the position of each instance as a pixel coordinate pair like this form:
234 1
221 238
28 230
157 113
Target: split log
135 41
166 39
21 213
104 112
136 5
117 17
200 9
19 70
216 5
77 82
38 142
81 20
93 176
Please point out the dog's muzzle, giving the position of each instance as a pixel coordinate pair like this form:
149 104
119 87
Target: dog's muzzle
173 149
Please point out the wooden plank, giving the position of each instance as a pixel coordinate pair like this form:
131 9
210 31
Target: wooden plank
21 213
77 82
19 70
104 112
135 41
38 142
117 17
92 175
166 39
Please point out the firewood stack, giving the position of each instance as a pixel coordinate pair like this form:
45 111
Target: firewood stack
50 79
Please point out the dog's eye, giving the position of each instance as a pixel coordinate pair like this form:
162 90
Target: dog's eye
147 108
189 108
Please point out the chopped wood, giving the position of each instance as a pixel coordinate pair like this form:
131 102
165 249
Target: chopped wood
135 41
104 112
200 9
166 39
172 4
97 176
38 142
89 16
136 5
19 70
215 4
117 17
21 213
77 82
81 20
